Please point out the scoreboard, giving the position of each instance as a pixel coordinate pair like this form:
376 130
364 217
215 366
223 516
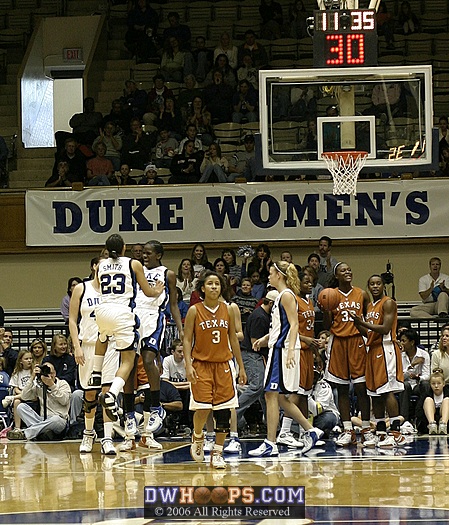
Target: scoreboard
345 38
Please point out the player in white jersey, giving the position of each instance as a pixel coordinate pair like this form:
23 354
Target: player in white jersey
84 332
118 276
151 312
282 372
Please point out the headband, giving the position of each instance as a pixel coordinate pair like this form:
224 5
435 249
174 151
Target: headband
279 270
336 266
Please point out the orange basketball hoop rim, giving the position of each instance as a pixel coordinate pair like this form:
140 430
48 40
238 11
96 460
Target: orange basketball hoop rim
345 167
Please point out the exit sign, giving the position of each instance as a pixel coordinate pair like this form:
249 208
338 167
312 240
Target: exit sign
73 54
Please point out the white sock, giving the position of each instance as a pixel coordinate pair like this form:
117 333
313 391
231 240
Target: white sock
108 425
286 424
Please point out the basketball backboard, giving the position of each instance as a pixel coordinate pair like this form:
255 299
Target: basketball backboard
385 111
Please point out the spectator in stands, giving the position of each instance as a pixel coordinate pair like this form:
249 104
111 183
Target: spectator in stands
244 103
182 306
440 357
271 27
433 290
136 148
134 99
222 64
63 177
218 98
443 131
201 118
261 262
191 134
199 259
444 161
416 367
316 286
140 39
186 96
75 160
432 409
7 352
173 61
408 22
19 378
304 105
137 252
310 141
242 164
170 118
226 47
298 20
113 142
62 361
214 167
327 260
244 299
150 176
2 316
235 270
85 125
258 52
166 148
99 169
174 372
288 257
123 177
247 71
38 349
185 167
185 279
156 99
385 24
72 282
257 325
54 406
202 59
119 116
388 100
257 287
180 31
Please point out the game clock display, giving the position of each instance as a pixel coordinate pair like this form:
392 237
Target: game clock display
345 38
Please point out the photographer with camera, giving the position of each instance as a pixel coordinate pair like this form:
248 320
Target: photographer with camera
54 400
434 292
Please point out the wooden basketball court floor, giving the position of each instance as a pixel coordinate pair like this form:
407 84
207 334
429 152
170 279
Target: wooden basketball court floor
50 482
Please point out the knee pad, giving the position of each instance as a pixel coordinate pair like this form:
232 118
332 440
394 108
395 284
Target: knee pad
89 405
222 420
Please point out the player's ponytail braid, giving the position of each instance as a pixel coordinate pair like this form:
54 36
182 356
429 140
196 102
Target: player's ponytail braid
292 278
289 271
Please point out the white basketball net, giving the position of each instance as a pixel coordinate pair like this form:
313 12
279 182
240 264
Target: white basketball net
344 167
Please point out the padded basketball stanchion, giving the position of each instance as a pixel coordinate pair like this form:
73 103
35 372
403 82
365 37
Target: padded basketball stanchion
345 167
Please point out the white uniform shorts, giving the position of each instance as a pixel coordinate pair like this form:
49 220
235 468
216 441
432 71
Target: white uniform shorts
151 329
110 365
118 321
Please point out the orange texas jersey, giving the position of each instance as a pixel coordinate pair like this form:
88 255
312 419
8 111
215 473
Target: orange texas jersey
211 334
343 324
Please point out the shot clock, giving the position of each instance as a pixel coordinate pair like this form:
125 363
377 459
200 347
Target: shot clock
345 38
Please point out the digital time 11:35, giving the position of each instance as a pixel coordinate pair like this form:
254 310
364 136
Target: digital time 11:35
353 20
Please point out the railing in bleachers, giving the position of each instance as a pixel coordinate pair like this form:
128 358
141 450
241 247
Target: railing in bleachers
28 325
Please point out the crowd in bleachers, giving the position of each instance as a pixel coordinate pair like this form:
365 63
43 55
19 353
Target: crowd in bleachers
193 94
